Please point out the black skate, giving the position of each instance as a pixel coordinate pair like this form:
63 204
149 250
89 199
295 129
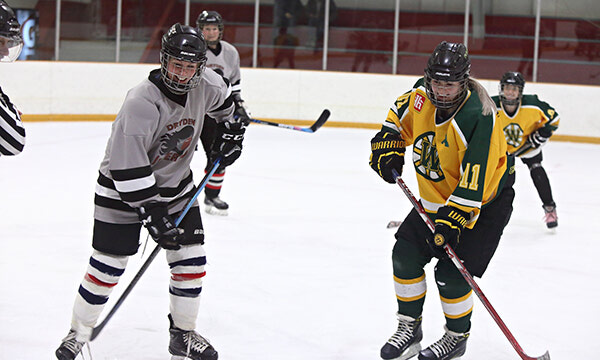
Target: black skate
215 206
550 217
451 346
405 343
70 347
189 345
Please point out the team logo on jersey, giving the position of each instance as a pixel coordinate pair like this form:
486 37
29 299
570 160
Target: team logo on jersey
426 158
174 145
513 134
419 101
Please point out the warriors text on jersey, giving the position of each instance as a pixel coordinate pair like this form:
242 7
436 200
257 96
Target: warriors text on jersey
531 114
12 133
151 146
225 60
459 162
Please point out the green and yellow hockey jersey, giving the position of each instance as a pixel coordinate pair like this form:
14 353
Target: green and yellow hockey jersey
532 114
461 162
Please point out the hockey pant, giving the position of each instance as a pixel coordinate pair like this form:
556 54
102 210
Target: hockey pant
207 136
103 274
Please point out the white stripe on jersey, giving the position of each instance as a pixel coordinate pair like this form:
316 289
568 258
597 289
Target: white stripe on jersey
135 184
106 192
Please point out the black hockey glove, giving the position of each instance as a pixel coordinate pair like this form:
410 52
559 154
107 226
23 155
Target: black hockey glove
539 137
227 143
449 223
155 217
387 153
241 113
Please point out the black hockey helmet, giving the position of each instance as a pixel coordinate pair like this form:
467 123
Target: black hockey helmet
10 31
449 62
209 17
511 78
183 43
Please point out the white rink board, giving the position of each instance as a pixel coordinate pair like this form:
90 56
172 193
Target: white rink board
39 87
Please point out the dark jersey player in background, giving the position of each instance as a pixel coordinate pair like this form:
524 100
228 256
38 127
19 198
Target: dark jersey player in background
145 178
12 133
528 123
223 58
463 172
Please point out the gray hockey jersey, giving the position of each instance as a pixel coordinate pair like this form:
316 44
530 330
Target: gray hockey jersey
12 133
151 145
225 60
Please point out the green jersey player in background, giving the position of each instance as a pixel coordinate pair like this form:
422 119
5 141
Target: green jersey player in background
528 123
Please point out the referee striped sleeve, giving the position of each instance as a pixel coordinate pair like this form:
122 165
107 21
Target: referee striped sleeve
12 132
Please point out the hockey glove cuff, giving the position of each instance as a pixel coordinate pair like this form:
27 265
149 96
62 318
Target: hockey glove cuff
387 153
539 137
155 217
449 223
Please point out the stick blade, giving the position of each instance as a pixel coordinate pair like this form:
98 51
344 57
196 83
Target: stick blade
321 120
546 356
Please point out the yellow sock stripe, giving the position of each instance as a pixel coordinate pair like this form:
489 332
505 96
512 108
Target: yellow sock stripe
410 289
458 316
459 307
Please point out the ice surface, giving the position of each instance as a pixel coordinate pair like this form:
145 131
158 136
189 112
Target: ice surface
301 268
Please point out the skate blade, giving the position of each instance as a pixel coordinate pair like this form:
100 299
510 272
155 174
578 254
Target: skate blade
177 357
412 350
214 211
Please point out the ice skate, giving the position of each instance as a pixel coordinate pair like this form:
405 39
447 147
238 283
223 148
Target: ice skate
405 342
550 217
70 347
215 206
189 345
451 346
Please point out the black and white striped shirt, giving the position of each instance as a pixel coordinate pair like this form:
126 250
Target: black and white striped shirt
12 132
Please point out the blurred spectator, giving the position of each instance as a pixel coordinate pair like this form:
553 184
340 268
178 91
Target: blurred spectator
286 14
315 10
285 48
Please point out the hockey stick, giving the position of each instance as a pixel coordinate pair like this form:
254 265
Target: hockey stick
96 330
465 273
525 148
311 129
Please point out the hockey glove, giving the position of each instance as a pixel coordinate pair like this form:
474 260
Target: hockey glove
241 112
387 153
539 137
449 223
155 217
227 143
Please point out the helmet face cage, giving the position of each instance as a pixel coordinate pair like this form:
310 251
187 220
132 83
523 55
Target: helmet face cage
511 78
183 43
11 41
449 62
211 18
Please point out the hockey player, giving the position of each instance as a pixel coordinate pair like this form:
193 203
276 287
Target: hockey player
465 185
223 58
145 179
12 132
528 123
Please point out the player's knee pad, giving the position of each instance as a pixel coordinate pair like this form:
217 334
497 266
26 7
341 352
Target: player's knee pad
187 270
102 275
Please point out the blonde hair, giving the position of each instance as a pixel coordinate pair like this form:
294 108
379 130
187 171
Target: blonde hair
488 106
